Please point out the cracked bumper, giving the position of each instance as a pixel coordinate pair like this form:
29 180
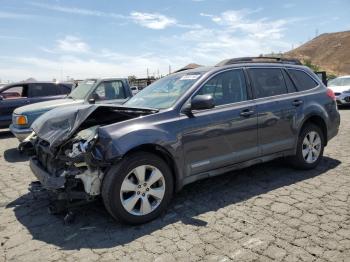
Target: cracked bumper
47 180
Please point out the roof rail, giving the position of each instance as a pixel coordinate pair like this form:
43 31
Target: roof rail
260 59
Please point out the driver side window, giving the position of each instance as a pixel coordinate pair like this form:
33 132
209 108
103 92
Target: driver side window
109 90
226 88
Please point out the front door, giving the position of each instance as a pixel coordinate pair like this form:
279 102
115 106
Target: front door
225 134
111 92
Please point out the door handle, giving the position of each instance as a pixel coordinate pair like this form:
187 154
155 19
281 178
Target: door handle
246 112
297 102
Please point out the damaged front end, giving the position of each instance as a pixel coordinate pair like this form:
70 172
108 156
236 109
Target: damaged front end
65 153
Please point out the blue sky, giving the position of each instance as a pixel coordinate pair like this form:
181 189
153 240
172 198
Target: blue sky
56 39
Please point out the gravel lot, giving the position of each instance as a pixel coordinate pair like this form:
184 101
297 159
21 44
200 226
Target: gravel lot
266 212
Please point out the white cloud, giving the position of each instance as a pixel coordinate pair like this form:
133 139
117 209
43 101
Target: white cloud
235 34
72 44
109 64
78 11
238 20
152 20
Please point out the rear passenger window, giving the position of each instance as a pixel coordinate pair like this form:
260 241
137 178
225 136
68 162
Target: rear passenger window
226 88
302 80
42 89
267 82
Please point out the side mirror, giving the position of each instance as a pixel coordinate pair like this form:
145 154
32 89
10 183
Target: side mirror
201 102
94 97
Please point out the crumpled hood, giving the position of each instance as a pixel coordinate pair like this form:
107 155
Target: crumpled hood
46 106
59 124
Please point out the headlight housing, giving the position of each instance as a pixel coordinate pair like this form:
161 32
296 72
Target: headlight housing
21 120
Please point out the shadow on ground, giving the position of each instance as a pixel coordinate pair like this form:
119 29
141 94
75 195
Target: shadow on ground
5 133
94 228
13 155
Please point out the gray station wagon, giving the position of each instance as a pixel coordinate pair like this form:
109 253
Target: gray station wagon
184 127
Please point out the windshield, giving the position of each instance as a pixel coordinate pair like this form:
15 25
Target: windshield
340 82
82 90
164 92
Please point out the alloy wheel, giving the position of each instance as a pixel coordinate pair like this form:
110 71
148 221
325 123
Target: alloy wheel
312 146
142 190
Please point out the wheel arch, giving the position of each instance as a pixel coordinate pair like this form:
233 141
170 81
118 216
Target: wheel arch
318 121
165 155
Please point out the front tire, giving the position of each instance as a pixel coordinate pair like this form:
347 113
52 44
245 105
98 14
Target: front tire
310 148
138 189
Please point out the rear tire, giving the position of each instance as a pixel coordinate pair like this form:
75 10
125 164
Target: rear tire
138 189
310 148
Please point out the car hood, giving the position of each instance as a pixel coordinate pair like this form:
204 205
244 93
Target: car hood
339 89
47 105
59 124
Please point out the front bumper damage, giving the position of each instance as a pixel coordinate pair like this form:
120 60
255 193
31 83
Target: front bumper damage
66 151
73 172
46 179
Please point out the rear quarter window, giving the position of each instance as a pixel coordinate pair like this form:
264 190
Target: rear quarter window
302 80
42 89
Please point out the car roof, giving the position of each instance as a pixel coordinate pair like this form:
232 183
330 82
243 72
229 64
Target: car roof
105 79
240 65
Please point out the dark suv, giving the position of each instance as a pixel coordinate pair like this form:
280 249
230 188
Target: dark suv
184 127
15 95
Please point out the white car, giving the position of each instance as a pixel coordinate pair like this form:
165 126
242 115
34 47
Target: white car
341 89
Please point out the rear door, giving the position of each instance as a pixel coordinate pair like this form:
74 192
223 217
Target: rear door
11 98
38 92
277 105
225 134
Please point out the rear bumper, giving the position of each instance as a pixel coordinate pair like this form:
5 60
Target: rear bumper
21 134
47 180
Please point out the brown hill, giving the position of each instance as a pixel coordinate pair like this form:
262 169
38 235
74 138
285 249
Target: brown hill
331 52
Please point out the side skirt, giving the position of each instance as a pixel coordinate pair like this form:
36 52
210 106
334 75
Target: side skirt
241 165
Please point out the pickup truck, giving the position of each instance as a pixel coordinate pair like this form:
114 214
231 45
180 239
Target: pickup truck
23 93
104 90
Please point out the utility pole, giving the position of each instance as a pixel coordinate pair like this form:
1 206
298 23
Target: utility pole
169 69
147 73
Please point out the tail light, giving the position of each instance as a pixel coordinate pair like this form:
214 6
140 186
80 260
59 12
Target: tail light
331 94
